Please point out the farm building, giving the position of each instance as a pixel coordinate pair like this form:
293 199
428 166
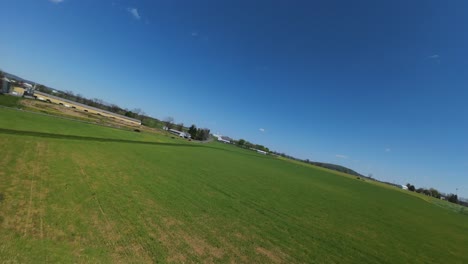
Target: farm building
18 91
179 133
85 108
5 85
28 85
223 139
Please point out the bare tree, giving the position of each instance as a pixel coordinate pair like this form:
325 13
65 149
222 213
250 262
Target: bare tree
137 111
180 126
70 93
169 122
115 108
97 101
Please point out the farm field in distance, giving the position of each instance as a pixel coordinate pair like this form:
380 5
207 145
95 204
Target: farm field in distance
68 196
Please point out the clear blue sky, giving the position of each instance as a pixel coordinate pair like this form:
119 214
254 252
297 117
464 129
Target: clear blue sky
378 86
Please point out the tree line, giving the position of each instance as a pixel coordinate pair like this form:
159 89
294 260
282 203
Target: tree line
246 144
135 113
453 198
199 133
195 133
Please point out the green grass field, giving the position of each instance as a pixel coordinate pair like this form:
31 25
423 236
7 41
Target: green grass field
76 192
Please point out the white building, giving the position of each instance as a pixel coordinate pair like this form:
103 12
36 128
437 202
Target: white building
27 85
179 133
221 138
224 140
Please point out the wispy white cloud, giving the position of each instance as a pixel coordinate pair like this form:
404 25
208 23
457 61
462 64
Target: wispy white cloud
388 150
56 1
341 156
134 12
194 34
435 56
261 129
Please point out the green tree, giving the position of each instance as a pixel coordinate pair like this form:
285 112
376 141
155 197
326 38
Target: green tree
411 187
453 198
241 142
193 131
130 114
202 134
434 193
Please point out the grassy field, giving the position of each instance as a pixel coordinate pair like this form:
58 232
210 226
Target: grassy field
37 106
10 101
75 192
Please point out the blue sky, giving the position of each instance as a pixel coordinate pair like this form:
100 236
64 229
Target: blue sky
378 86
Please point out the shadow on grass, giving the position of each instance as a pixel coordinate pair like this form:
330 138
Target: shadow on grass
97 139
114 140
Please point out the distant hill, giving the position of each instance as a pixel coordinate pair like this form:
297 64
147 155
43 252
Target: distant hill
15 77
348 171
336 168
